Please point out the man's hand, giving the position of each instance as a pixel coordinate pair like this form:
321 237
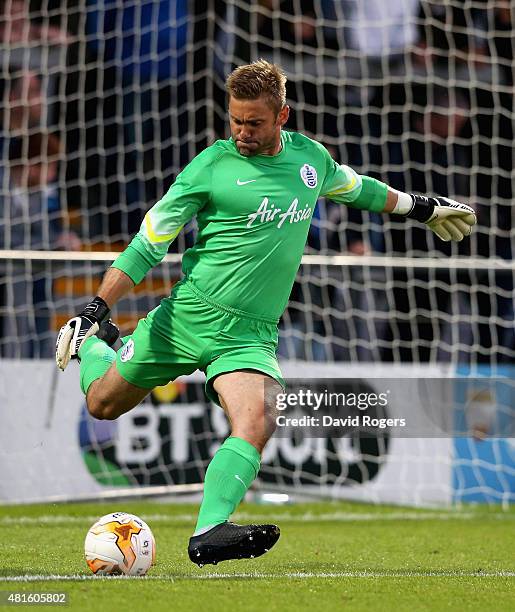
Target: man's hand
76 330
448 219
451 220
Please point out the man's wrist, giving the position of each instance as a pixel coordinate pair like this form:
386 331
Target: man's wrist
414 206
97 310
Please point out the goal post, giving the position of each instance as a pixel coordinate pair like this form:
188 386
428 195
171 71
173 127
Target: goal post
164 446
102 106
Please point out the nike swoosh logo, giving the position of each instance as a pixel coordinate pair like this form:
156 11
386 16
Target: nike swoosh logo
238 478
238 182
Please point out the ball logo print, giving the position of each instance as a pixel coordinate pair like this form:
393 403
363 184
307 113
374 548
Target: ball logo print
123 541
127 351
120 543
308 175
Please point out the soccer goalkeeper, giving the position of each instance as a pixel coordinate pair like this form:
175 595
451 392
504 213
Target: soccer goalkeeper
253 196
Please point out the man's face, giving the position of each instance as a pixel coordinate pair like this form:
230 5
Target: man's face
255 126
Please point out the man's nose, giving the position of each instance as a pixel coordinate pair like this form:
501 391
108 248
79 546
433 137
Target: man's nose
245 132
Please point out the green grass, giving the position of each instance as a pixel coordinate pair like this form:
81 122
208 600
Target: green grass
331 556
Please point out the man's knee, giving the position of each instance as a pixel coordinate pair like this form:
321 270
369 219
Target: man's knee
257 426
269 419
110 396
100 405
249 400
102 409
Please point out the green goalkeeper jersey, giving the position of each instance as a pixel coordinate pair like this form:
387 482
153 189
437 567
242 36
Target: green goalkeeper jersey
253 216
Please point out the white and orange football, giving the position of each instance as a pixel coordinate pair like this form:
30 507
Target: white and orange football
120 543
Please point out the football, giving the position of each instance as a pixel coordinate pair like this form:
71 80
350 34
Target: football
120 543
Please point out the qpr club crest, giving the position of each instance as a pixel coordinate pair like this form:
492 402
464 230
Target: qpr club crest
127 351
308 174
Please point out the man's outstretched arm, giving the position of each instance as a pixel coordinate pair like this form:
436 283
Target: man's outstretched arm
128 270
114 286
159 228
448 219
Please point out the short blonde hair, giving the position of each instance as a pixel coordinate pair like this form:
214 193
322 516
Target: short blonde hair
261 78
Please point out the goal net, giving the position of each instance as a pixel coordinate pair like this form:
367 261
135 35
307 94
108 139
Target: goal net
103 103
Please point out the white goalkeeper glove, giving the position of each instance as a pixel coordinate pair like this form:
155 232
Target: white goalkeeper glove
76 330
448 219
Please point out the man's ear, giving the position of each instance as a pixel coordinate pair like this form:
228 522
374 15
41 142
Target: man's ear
283 115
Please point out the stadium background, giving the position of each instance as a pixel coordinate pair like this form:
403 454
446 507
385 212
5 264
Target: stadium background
104 102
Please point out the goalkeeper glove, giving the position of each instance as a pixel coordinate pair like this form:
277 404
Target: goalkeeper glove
76 330
448 219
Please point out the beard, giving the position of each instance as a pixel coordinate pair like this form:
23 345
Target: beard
248 148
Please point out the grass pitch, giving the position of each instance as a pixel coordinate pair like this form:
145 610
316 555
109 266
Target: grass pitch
331 556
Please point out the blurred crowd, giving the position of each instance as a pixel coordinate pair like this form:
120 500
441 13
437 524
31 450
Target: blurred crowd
104 101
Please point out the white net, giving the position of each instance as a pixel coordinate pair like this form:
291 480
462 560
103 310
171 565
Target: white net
104 102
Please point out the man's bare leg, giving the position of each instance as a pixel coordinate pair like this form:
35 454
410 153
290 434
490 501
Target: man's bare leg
111 396
248 399
108 395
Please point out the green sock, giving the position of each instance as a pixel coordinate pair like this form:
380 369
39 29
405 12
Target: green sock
95 359
230 473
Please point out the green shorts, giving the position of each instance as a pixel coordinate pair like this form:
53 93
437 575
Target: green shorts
188 331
